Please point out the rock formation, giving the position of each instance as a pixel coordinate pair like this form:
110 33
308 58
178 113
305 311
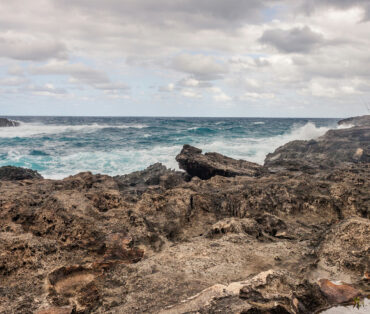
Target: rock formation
209 165
8 123
228 237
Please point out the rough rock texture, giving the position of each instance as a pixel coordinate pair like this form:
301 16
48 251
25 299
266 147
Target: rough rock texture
155 176
8 123
291 241
17 173
209 165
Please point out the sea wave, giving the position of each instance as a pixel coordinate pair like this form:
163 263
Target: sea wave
26 130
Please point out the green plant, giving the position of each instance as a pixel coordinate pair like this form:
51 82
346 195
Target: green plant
358 302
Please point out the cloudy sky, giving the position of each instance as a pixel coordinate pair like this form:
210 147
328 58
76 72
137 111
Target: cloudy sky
289 58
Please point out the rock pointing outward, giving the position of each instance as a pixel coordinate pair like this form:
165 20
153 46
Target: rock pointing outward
208 165
245 239
17 173
8 123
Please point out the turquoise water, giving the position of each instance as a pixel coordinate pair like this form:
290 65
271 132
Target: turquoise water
61 146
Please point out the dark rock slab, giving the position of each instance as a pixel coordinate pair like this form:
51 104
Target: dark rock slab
10 173
8 123
205 166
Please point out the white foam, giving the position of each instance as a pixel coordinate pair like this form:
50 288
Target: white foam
256 149
34 129
258 122
122 161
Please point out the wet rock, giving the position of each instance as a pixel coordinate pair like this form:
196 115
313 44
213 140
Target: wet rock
338 294
205 166
17 173
8 123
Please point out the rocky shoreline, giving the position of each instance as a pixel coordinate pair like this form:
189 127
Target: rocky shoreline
225 236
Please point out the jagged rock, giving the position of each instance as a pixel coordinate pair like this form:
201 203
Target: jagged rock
356 121
8 123
17 173
208 165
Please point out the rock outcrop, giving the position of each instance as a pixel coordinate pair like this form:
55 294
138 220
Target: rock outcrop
237 238
11 173
8 123
335 149
205 166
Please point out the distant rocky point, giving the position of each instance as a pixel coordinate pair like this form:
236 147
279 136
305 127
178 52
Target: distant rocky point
356 121
8 123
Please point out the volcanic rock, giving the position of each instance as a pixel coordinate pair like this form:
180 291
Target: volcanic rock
157 241
205 166
8 123
17 173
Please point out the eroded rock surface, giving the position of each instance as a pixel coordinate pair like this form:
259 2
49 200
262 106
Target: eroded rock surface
156 241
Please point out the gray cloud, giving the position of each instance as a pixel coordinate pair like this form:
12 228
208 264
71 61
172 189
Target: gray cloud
79 73
313 5
200 66
193 13
301 40
20 47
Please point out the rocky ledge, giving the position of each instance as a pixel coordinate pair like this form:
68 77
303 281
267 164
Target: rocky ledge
8 123
227 236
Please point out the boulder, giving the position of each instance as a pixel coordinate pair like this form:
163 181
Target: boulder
8 123
205 166
10 173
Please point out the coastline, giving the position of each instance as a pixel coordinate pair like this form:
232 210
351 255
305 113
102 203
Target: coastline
225 235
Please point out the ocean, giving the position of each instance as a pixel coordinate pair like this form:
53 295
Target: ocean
61 146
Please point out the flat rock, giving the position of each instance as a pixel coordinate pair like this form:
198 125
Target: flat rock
10 173
205 166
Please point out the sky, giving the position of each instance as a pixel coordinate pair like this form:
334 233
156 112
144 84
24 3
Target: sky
235 58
